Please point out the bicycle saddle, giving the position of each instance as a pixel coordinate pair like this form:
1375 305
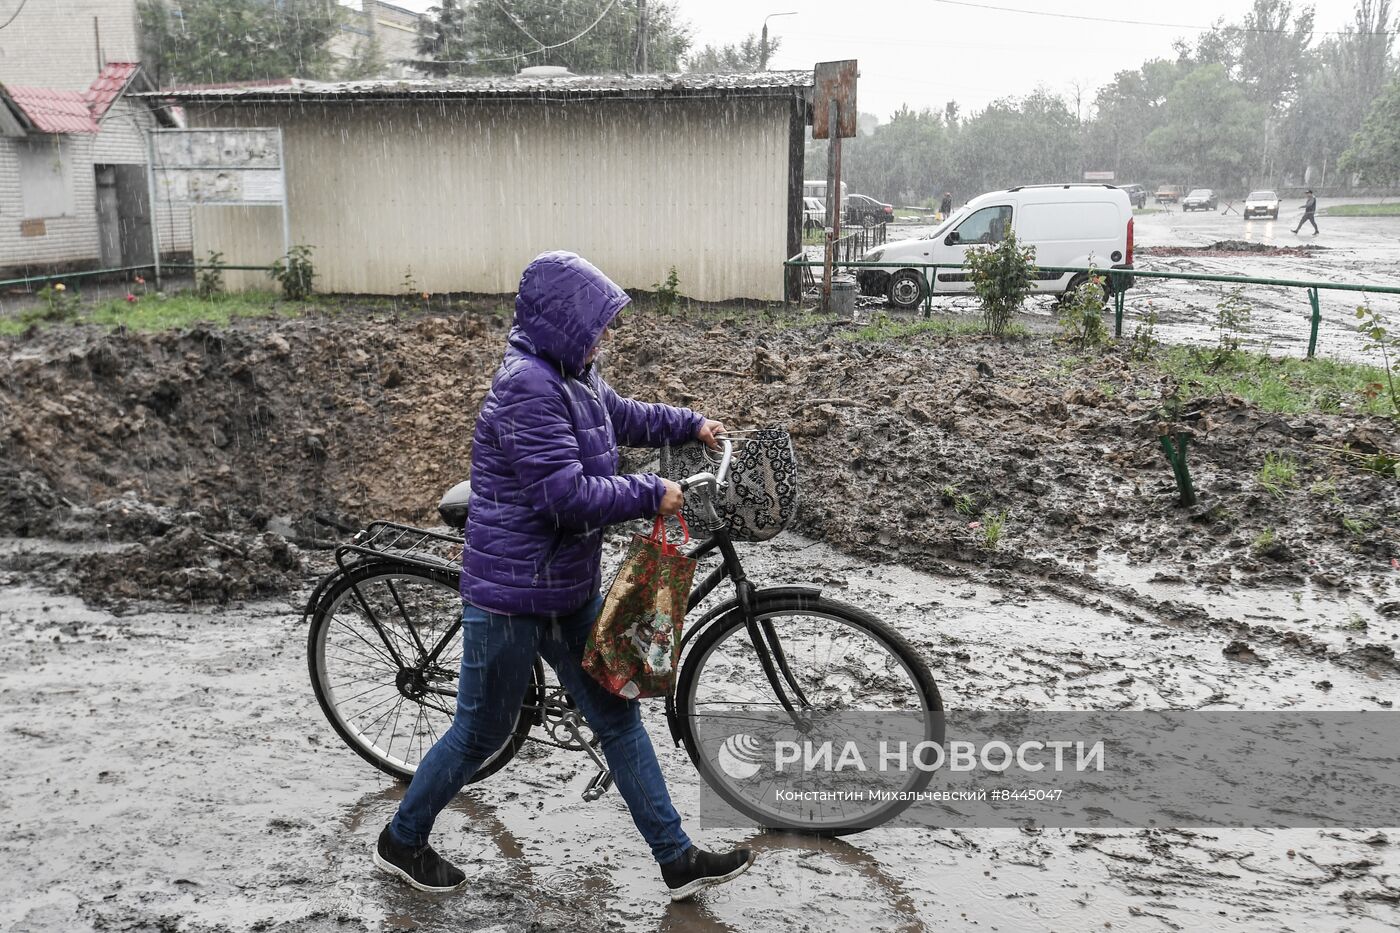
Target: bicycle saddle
453 505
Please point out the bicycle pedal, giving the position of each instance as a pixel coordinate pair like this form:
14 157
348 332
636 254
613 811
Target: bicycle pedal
598 786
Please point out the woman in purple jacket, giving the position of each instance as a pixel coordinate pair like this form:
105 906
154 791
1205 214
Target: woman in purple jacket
544 486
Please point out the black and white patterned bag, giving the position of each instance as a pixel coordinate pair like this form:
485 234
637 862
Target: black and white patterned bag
761 497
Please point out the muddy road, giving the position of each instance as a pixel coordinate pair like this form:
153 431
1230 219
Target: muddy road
175 774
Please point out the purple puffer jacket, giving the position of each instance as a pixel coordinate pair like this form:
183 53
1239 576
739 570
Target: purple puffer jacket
544 455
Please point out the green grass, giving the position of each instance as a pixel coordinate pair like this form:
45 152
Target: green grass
151 313
993 525
885 328
1264 540
960 500
184 309
1279 384
1363 210
1278 473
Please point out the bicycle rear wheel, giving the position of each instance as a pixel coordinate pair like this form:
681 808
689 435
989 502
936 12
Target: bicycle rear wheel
848 677
384 649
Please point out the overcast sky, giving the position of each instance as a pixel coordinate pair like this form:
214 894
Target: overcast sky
926 52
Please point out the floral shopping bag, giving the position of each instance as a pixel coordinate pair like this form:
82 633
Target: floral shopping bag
636 642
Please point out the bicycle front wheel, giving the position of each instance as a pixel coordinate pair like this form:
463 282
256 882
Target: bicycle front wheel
807 672
384 651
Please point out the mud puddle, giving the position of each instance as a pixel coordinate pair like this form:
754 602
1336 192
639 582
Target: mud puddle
175 773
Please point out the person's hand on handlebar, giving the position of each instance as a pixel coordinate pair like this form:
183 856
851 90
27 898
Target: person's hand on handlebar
707 433
672 499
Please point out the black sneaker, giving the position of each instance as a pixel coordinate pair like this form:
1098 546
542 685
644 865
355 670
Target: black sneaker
421 867
697 869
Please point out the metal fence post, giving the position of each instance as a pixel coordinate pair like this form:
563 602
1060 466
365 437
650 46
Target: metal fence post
1316 320
1119 294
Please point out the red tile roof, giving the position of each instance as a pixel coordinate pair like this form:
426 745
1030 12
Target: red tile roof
110 84
53 111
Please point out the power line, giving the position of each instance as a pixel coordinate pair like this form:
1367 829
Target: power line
16 13
1139 22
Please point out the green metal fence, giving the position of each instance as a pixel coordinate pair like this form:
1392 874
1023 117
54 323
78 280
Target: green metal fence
1116 277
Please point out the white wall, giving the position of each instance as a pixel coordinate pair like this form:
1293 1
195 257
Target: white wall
465 194
51 42
73 237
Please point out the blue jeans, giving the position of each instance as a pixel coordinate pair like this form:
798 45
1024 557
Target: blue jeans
498 652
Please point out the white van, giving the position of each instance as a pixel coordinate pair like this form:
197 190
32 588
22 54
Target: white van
816 188
1069 225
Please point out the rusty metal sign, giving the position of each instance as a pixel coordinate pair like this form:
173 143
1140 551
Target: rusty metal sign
835 81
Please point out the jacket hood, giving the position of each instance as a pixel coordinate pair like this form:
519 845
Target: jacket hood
563 305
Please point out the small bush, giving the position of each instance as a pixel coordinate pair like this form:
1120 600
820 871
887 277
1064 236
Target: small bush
1378 337
1081 313
1145 344
57 304
1231 319
296 273
1002 276
667 292
1264 540
209 277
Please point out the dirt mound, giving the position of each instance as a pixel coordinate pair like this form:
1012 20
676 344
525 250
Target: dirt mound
913 450
1229 248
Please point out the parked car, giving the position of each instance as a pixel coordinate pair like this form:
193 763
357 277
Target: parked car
1137 195
1069 225
865 210
1261 204
813 214
1168 194
1200 199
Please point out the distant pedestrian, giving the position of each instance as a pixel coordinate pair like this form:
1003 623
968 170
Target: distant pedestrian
1309 214
946 207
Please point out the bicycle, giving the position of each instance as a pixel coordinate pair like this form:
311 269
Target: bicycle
383 653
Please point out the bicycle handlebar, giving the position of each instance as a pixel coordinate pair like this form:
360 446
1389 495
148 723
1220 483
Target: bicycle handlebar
717 479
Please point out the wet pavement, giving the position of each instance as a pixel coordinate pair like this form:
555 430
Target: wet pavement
1349 250
174 773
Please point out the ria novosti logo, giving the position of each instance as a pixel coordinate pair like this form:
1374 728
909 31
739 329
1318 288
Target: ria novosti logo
740 756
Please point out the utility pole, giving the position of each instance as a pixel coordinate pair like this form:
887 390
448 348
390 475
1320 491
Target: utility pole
763 40
641 37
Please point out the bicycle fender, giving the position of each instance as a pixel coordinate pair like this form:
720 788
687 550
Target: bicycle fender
717 612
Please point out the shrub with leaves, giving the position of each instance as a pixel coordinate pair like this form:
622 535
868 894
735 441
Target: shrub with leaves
1002 276
1145 342
1378 337
1231 319
667 292
209 277
296 273
1081 313
57 303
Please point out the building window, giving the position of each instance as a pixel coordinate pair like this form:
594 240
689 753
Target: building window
46 177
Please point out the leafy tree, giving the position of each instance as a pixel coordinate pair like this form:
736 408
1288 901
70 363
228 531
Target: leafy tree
211 41
902 161
1126 111
446 38
366 61
1349 72
585 36
1026 141
1210 136
1274 51
743 58
1374 152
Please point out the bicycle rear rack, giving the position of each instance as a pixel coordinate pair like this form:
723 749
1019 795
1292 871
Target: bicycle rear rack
394 541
